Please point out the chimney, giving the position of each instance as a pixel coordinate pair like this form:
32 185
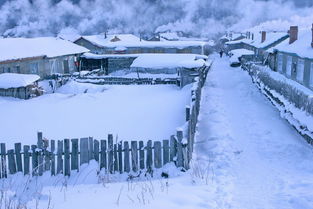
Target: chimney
263 36
293 34
312 37
252 36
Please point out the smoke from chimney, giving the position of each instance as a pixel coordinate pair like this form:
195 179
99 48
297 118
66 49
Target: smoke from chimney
293 34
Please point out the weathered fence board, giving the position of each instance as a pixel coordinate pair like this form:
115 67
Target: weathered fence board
59 157
52 157
67 168
26 159
141 155
18 156
74 155
134 154
110 153
34 160
120 157
3 161
126 157
166 152
115 159
96 150
11 159
149 155
83 150
157 154
103 155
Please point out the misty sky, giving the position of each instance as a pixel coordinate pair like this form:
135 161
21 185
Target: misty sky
204 18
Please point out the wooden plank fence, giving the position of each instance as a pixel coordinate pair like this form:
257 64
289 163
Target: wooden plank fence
66 156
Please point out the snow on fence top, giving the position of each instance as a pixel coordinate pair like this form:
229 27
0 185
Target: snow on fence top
14 80
159 61
128 40
271 38
302 47
19 48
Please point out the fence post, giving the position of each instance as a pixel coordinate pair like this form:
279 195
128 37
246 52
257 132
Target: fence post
187 111
141 155
74 155
120 157
157 155
126 157
11 159
103 155
26 159
34 160
52 144
3 161
180 159
90 149
173 149
96 150
40 153
67 168
83 150
18 155
115 159
149 156
166 154
134 154
110 155
59 157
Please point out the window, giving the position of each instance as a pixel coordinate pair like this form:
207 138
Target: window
280 63
34 68
289 66
311 75
300 70
8 70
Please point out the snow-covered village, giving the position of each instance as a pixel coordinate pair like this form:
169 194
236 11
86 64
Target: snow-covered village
189 104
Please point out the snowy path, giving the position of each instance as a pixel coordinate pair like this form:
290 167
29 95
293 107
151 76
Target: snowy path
256 159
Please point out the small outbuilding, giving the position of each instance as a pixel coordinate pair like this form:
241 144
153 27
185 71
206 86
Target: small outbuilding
22 86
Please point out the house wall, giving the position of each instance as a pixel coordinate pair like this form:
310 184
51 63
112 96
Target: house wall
43 67
301 68
21 93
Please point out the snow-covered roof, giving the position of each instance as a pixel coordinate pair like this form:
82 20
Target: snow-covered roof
237 53
159 61
14 80
302 47
19 48
129 40
103 56
271 38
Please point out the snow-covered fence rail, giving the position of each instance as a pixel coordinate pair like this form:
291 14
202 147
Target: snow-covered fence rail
66 156
128 81
294 101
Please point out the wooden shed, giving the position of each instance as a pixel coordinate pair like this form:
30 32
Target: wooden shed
22 86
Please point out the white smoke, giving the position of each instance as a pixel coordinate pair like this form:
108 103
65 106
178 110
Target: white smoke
204 18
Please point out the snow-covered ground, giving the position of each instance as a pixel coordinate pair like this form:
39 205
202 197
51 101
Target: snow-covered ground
256 159
80 110
246 157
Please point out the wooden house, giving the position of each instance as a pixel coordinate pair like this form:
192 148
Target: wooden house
294 57
260 43
44 56
111 44
23 86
